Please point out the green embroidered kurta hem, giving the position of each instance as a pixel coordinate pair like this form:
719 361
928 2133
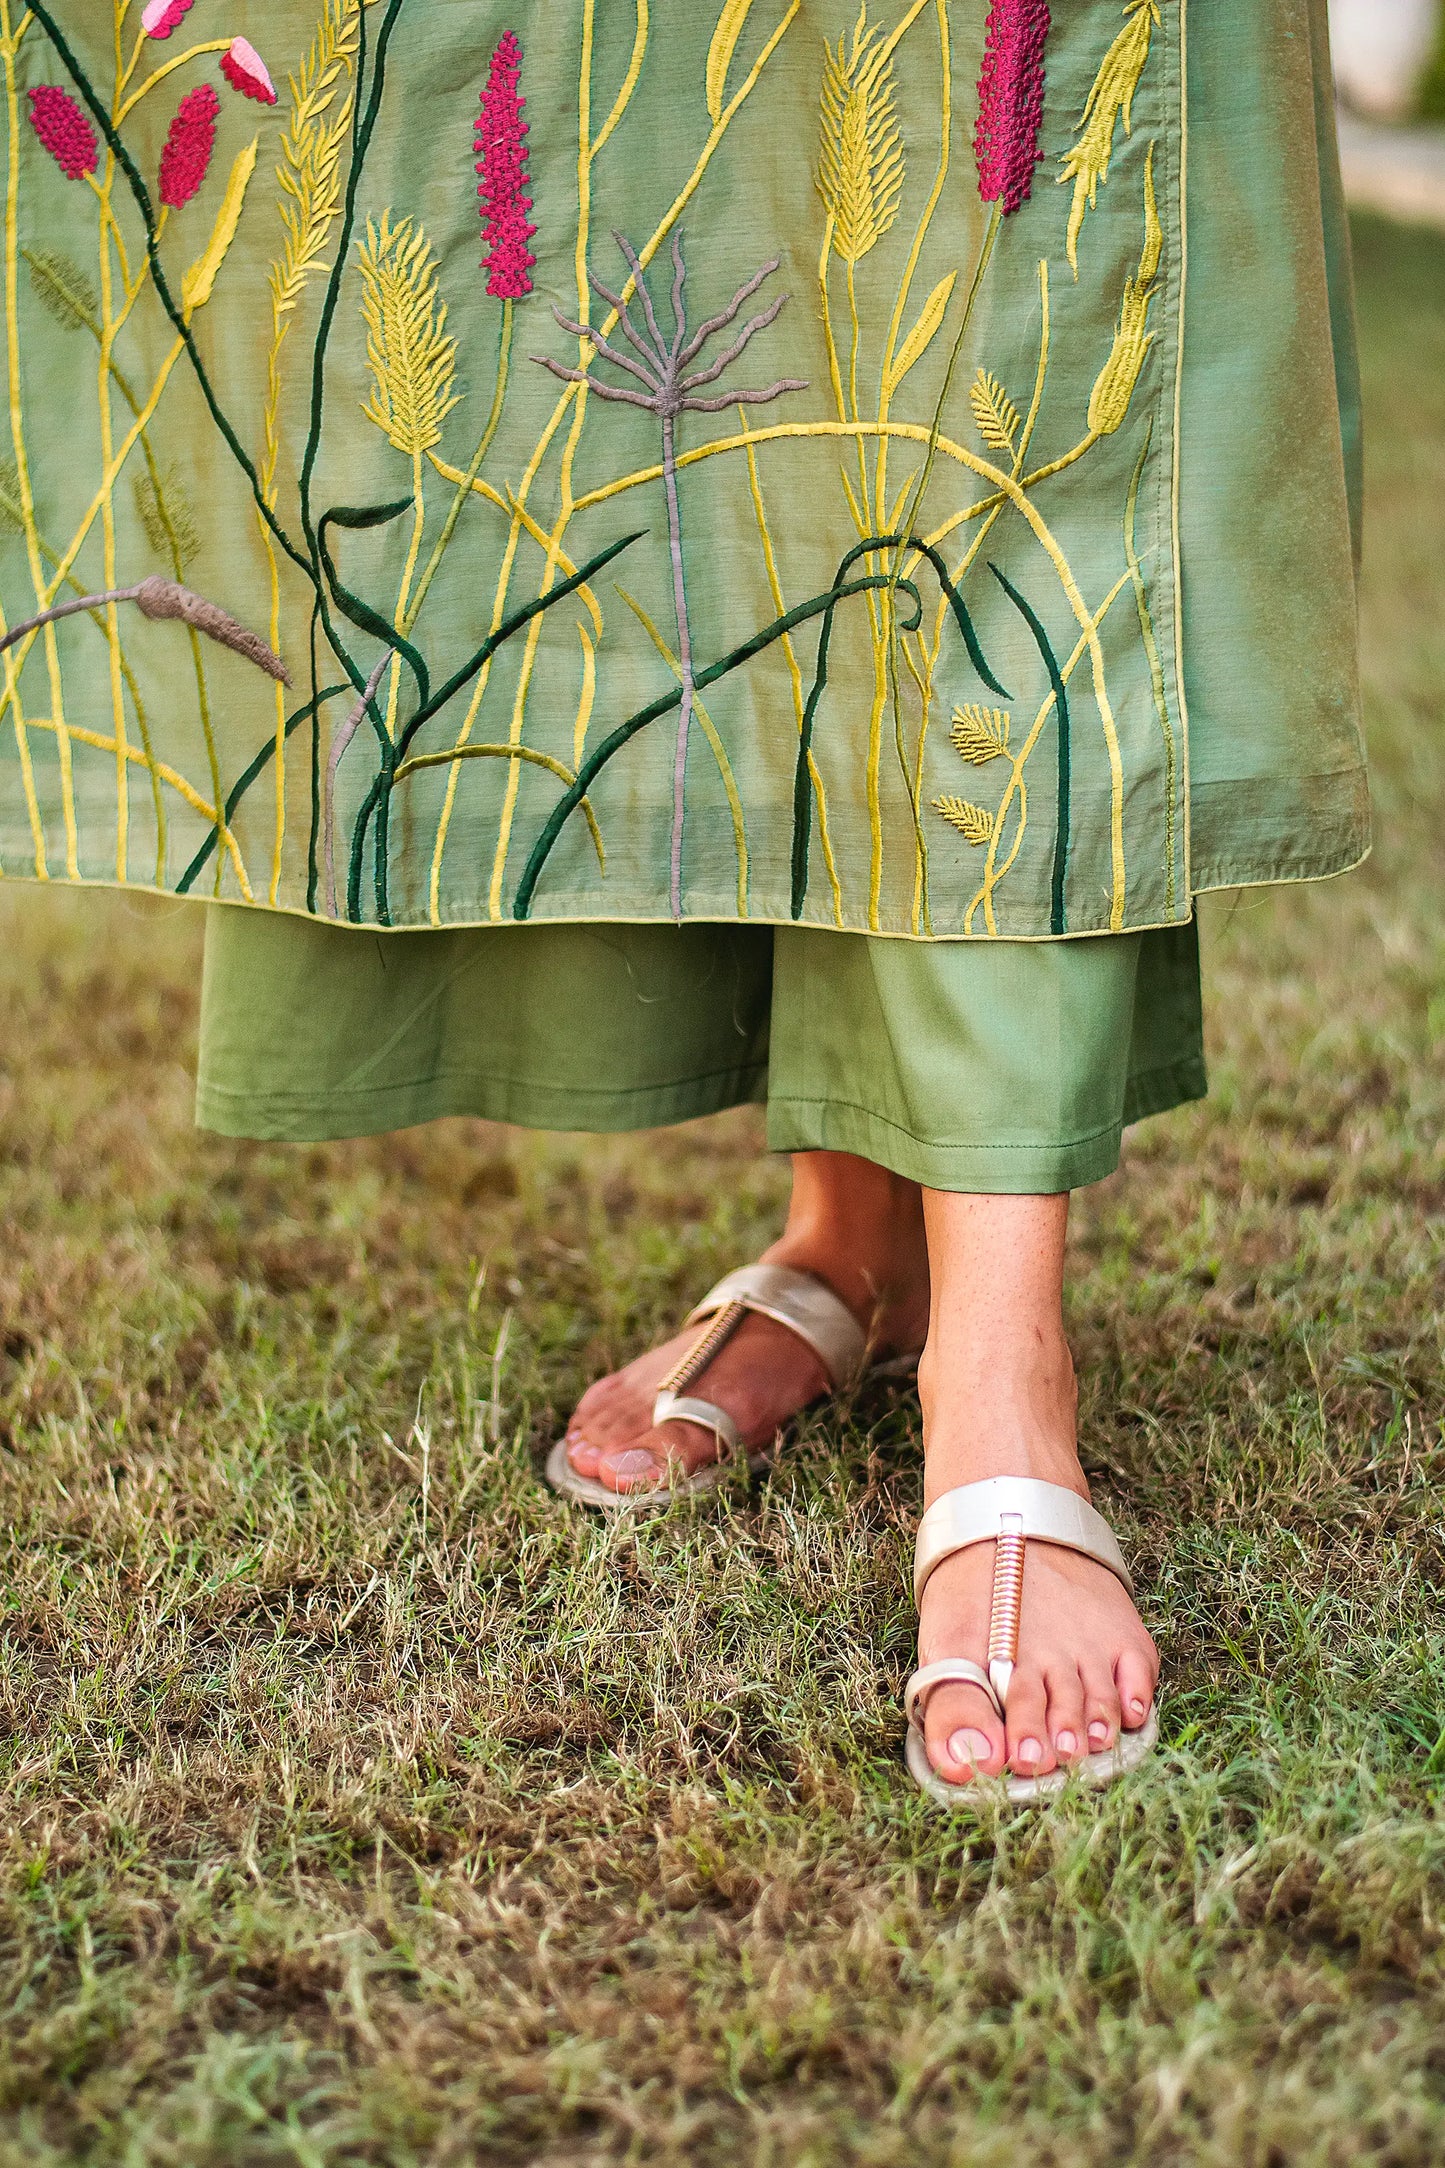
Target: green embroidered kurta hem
1006 1068
752 506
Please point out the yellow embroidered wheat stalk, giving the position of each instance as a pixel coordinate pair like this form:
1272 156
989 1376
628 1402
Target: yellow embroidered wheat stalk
412 360
981 734
1133 339
311 151
974 822
1110 101
861 164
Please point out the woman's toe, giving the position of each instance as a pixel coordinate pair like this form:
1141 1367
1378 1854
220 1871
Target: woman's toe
963 1734
1066 1713
1102 1712
631 1468
1134 1676
1030 1746
583 1456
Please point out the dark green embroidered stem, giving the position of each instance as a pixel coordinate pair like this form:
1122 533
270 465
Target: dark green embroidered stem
1058 920
257 768
363 126
361 613
380 791
464 487
614 742
182 328
313 839
803 779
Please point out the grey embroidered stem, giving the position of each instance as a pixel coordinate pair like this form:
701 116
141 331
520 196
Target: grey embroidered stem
684 657
339 744
163 599
667 391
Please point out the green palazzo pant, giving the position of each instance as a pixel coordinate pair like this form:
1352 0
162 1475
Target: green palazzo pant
1006 1067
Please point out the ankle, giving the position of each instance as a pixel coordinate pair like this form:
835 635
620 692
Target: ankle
1007 1410
860 1230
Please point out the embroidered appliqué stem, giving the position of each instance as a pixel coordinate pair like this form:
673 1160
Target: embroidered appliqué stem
671 386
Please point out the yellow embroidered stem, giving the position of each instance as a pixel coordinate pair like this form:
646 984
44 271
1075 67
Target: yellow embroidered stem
27 500
1156 668
309 176
795 674
464 486
575 399
108 554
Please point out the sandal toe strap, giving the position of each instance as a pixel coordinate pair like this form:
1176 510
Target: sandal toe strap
951 1671
677 1408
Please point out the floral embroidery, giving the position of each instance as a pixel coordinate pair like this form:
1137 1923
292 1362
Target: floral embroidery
929 585
1011 101
161 17
65 131
246 71
186 158
501 145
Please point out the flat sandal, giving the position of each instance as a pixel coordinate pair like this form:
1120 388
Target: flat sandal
799 1300
1010 1511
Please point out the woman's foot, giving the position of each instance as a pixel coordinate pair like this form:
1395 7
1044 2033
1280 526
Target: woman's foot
999 1398
855 1227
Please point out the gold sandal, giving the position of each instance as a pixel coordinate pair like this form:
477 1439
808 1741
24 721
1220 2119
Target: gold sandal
799 1300
1010 1512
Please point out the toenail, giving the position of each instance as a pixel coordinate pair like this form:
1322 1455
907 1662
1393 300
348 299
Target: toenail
1137 1707
970 1748
1030 1751
636 1463
1066 1743
1098 1734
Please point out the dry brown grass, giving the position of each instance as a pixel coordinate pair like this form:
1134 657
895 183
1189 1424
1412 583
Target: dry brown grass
362 1805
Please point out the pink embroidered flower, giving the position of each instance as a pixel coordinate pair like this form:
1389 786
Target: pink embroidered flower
161 17
246 71
1011 101
502 156
187 154
64 130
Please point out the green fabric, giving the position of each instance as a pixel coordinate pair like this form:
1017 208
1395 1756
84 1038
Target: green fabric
1010 1067
347 374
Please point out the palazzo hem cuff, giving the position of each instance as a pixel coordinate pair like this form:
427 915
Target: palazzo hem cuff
1027 1168
285 1118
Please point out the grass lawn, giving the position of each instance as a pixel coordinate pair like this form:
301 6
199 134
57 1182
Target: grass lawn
361 1804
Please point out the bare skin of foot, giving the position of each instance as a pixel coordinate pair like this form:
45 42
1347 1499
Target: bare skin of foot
999 1398
856 1227
985 1275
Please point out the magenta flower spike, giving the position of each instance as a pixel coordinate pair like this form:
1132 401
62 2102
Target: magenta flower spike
64 130
246 71
163 16
502 164
1011 102
186 158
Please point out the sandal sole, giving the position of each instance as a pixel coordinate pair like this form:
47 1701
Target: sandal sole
1091 1774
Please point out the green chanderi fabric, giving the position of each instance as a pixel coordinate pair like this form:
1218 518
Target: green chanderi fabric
1006 1067
742 510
